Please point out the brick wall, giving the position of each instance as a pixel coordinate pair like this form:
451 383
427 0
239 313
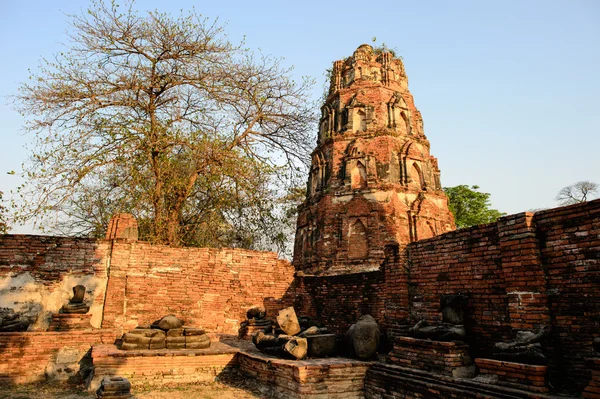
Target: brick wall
569 242
467 261
30 356
210 288
525 271
522 272
37 274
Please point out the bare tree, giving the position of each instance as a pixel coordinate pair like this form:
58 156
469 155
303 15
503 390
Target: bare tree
581 191
163 112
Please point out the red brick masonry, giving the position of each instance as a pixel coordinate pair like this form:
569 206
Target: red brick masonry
515 375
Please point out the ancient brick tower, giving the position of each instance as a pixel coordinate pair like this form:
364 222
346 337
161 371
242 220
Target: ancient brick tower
372 180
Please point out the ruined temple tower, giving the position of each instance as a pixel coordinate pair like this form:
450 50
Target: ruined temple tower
372 181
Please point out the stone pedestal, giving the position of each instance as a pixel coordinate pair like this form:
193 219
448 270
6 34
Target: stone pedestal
592 391
70 322
446 358
514 375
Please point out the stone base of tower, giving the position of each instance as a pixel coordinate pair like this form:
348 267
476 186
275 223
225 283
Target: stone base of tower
346 234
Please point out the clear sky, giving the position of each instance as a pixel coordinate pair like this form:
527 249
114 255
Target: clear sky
509 90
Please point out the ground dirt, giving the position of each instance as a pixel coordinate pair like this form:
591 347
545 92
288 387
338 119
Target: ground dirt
233 386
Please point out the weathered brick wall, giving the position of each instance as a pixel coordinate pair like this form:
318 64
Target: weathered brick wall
37 274
29 356
341 300
210 288
523 272
467 261
569 242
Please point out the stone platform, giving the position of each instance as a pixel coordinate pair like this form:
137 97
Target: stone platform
332 378
307 379
163 367
447 358
70 322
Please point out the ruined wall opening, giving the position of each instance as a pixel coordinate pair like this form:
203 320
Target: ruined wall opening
358 176
358 246
416 176
359 121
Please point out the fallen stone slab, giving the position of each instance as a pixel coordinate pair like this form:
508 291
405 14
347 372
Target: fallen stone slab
288 321
297 347
322 345
114 388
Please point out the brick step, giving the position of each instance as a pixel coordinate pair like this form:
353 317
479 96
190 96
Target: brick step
387 377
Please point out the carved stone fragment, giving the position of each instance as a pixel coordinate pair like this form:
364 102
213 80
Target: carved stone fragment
362 338
76 305
168 322
322 345
297 347
114 388
288 321
525 348
11 321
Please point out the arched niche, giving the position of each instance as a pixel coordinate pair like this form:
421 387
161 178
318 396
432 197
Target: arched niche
317 173
358 176
394 171
326 123
416 176
425 229
402 125
358 243
359 120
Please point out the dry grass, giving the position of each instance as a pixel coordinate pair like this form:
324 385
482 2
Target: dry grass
233 386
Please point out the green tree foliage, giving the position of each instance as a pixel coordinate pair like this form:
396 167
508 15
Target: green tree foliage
3 221
164 118
470 207
581 191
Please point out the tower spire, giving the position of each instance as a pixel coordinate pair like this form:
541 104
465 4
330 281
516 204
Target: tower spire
372 181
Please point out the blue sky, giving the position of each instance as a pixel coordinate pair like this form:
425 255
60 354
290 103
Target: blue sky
509 91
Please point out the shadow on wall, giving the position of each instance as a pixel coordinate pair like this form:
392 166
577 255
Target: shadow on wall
13 348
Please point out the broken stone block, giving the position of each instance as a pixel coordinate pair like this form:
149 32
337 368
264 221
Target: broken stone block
288 321
175 342
193 331
157 342
297 347
11 321
114 388
143 339
175 332
526 348
322 345
256 312
362 339
262 340
168 322
197 341
282 339
309 331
